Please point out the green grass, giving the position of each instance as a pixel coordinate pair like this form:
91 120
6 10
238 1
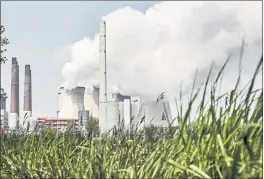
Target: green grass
223 142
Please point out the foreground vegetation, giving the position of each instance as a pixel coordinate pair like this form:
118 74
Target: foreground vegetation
223 142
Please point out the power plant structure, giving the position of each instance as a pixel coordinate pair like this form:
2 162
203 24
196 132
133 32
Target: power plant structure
27 110
15 118
103 122
14 103
123 110
78 105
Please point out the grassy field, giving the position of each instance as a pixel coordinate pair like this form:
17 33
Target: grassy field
223 142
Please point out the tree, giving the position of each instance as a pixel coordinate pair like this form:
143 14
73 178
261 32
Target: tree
4 42
92 127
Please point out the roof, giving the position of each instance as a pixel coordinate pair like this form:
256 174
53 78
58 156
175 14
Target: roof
47 118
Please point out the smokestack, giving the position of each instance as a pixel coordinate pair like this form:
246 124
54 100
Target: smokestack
103 79
14 103
14 108
27 92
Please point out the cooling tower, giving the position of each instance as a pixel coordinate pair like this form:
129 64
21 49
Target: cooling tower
27 92
154 114
90 103
103 81
72 101
14 103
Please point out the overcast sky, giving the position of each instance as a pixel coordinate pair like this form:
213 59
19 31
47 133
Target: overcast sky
49 37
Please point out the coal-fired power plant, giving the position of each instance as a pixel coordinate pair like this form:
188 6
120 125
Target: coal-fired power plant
14 103
27 92
80 104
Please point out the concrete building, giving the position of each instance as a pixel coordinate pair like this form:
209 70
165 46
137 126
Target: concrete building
4 113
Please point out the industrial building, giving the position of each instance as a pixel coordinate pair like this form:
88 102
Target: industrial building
59 123
116 109
76 106
4 113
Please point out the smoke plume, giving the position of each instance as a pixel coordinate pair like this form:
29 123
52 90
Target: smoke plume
152 52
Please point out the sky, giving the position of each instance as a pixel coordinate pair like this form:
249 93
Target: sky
152 47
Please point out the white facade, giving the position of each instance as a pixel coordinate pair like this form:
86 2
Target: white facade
112 115
71 101
127 113
13 121
121 112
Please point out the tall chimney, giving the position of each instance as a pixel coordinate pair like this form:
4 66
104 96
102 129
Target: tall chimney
14 103
27 92
103 79
14 108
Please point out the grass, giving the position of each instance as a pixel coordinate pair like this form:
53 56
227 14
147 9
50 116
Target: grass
223 142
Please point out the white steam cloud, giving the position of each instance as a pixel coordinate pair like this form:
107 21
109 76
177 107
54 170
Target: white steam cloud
152 52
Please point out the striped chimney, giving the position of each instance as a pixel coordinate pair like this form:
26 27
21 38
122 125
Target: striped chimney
14 103
27 90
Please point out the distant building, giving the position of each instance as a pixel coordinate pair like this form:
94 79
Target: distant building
4 113
56 123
